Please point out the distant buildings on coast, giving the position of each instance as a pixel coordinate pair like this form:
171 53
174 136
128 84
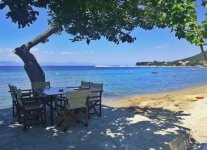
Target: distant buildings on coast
197 60
173 63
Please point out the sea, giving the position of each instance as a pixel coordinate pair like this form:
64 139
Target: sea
118 81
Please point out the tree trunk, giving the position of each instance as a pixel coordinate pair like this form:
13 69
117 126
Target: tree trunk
31 66
203 52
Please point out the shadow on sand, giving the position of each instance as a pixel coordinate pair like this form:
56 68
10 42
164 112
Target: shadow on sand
118 128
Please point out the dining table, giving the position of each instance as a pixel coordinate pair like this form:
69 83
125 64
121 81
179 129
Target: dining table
52 93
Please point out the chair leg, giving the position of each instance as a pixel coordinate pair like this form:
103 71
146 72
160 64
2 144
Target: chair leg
13 109
88 113
65 125
41 115
24 127
24 122
93 105
45 116
100 109
86 117
18 115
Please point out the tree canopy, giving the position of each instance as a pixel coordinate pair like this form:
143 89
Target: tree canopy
112 19
95 19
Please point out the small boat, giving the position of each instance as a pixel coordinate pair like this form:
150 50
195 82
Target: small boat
199 97
154 72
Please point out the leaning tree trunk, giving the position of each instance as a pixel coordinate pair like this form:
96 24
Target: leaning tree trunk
31 66
203 52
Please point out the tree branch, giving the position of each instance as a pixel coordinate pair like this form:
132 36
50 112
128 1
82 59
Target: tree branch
42 37
32 67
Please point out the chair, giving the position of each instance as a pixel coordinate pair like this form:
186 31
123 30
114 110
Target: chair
14 100
40 85
84 85
75 102
25 93
95 98
30 110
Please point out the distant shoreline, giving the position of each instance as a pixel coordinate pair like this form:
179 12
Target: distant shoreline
105 66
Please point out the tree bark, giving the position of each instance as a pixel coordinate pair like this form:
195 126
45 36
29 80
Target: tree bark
203 52
31 66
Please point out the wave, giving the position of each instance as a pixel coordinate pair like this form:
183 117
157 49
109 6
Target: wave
114 66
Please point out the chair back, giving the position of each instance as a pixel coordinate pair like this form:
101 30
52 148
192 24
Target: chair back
77 99
19 96
96 90
85 85
40 85
96 86
12 91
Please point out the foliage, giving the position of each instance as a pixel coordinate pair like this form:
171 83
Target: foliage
112 19
192 61
193 31
195 58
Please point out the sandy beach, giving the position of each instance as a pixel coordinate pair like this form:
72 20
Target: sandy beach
186 112
153 121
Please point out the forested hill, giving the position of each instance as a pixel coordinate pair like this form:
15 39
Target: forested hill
190 61
198 57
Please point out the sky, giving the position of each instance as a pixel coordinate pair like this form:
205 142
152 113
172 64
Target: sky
156 44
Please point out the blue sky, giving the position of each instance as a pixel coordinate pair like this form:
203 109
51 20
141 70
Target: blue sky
156 44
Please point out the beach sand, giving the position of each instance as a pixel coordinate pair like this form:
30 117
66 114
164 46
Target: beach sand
176 107
154 121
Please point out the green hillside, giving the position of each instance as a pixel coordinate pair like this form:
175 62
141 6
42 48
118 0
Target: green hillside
190 61
198 57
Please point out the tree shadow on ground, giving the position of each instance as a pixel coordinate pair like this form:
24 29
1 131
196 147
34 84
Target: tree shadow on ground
118 128
159 114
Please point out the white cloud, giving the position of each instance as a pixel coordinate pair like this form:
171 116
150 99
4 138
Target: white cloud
45 56
7 54
165 45
6 50
89 52
48 52
37 51
34 49
12 55
69 53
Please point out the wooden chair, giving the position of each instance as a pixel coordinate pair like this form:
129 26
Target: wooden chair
96 90
84 85
75 102
30 110
40 85
14 100
25 93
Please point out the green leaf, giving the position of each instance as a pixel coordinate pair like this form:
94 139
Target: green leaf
204 3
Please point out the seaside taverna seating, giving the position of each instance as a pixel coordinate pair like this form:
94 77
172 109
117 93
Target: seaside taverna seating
84 85
40 85
75 102
29 109
25 93
14 100
96 90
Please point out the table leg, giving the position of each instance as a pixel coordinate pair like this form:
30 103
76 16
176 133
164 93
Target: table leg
51 111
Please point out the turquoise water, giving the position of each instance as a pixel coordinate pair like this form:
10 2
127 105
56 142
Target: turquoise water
117 81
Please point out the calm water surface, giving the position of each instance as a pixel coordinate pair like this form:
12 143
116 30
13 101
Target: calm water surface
117 81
